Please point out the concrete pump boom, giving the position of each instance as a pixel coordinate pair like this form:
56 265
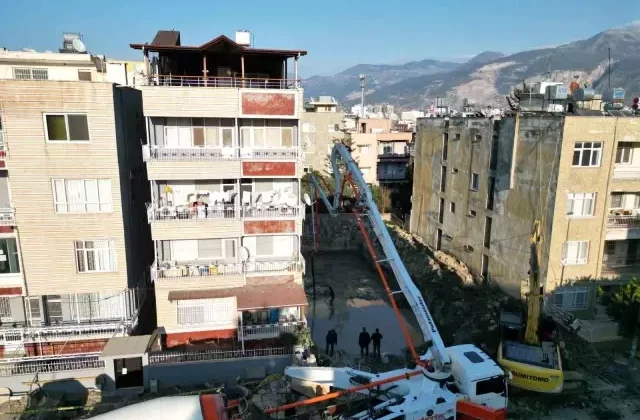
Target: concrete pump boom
340 154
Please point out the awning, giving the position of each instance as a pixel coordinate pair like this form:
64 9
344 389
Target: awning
251 297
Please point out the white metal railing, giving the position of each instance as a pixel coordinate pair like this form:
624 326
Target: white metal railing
273 212
271 153
3 148
64 332
7 216
275 266
199 356
626 172
58 363
197 270
154 153
220 82
261 332
156 213
623 221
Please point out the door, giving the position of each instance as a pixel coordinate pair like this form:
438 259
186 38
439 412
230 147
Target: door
485 267
632 251
128 372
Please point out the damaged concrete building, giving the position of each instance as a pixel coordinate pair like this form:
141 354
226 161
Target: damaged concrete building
480 183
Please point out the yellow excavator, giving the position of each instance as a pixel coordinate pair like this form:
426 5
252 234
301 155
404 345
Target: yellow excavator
529 362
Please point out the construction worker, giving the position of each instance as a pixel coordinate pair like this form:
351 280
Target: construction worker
332 339
376 338
363 340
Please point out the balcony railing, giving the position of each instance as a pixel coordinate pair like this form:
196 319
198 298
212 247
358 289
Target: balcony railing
7 216
221 82
395 176
42 364
391 155
623 222
626 172
64 332
198 356
161 153
172 271
156 213
261 332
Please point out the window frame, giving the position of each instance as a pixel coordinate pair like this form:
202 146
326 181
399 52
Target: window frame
5 309
565 260
86 203
475 182
622 147
572 198
573 291
452 207
66 124
591 149
112 254
18 260
31 69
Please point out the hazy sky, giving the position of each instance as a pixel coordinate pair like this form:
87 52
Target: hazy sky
337 34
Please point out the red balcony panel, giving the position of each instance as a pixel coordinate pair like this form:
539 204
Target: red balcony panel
269 169
273 104
10 291
269 226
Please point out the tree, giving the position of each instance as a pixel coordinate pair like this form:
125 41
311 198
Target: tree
624 306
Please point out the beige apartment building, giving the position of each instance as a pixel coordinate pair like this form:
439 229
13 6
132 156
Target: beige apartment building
73 265
480 183
321 126
224 163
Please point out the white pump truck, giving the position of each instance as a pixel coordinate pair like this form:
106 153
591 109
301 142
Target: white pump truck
458 382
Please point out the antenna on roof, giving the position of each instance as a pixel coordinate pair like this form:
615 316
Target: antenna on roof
609 67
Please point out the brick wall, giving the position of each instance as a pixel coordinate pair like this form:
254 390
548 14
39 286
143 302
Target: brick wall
193 337
62 347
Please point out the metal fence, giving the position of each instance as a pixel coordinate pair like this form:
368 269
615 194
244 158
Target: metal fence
623 221
64 333
7 216
206 355
221 82
60 363
214 212
155 153
260 332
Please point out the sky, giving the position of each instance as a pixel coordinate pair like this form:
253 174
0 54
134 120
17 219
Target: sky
337 33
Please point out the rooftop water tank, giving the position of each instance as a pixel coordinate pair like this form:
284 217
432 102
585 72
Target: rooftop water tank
584 94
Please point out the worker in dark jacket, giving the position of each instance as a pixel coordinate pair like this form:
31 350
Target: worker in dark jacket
376 338
331 339
363 340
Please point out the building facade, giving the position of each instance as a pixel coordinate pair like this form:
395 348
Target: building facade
321 126
480 183
224 161
72 195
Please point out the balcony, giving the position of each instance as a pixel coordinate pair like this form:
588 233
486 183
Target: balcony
392 156
626 172
156 153
266 331
220 82
620 271
156 213
623 222
42 334
7 216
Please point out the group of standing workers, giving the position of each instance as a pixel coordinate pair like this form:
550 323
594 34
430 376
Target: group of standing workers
364 340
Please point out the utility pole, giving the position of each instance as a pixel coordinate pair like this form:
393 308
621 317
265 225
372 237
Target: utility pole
362 79
609 68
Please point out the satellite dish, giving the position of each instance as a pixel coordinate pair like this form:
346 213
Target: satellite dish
290 201
244 254
307 199
78 46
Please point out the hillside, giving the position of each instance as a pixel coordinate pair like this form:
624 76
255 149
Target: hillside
488 77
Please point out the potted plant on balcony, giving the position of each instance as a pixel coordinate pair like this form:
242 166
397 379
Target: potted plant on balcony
300 340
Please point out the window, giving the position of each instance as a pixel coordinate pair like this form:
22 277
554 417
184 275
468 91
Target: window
477 138
387 149
452 207
487 232
491 192
82 195
587 153
441 211
95 256
494 385
9 262
5 309
581 204
443 179
571 298
365 171
456 136
624 152
575 252
616 200
472 213
266 134
84 75
445 146
454 170
54 309
475 181
34 313
191 250
30 74
363 150
66 127
217 312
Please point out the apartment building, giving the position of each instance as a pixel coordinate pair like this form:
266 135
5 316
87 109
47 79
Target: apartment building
321 126
480 183
72 190
393 157
224 164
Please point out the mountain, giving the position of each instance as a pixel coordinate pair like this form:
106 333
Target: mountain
346 84
489 76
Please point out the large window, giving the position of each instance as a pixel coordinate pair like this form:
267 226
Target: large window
266 134
279 246
587 153
66 127
95 256
54 309
5 309
216 312
575 252
26 73
581 204
624 152
193 250
82 195
9 262
198 132
571 298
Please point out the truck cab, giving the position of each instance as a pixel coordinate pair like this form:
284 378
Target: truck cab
477 376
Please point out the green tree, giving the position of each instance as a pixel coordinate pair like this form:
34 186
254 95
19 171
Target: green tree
624 306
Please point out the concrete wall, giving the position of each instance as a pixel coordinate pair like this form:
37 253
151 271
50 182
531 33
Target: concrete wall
367 162
190 373
337 233
316 138
74 381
